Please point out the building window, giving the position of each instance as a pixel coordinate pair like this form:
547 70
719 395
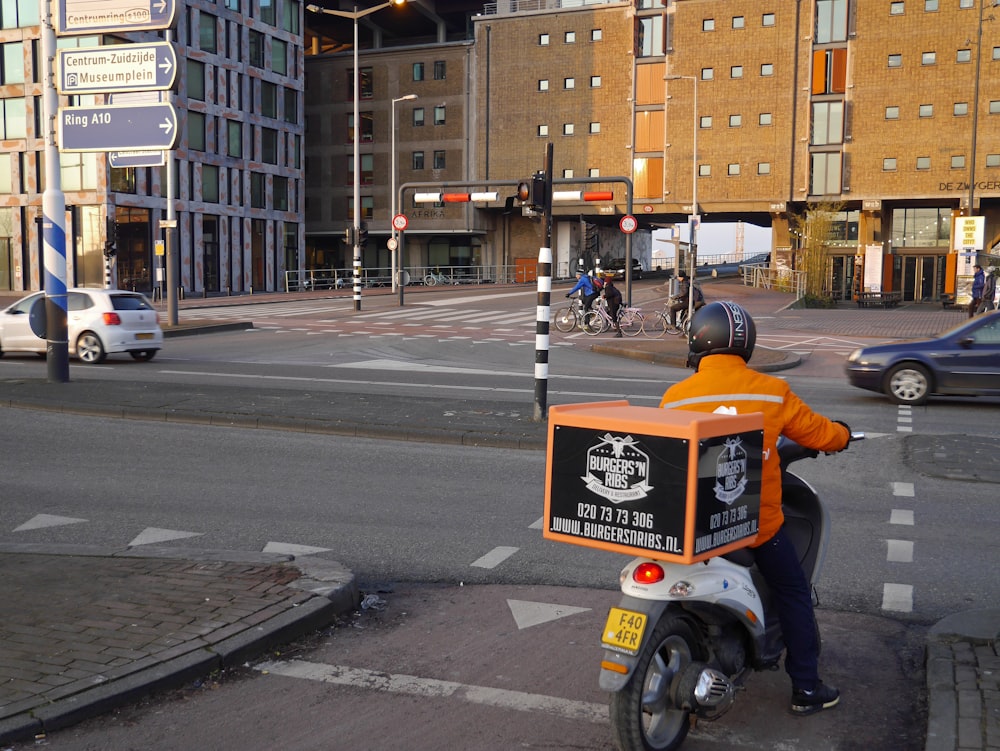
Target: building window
196 130
765 118
825 174
828 123
995 107
704 170
269 145
418 117
763 168
279 57
993 160
892 113
439 115
567 173
570 37
291 114
596 35
367 169
439 70
367 86
210 184
928 58
651 36
567 129
923 162
966 3
279 193
767 69
961 109
705 122
735 121
268 99
543 40
569 83
439 159
256 47
543 84
543 130
889 164
958 162
733 170
596 172
12 63
708 24
14 120
930 5
208 33
234 138
926 110
417 161
257 195
707 74
767 19
736 71
595 82
896 8
831 21
595 128
739 22
895 61
963 56
196 80
418 71
367 134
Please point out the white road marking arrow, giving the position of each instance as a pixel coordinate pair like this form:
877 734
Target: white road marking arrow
287 548
40 521
154 534
527 614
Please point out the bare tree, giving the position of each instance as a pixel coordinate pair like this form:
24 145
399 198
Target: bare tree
813 227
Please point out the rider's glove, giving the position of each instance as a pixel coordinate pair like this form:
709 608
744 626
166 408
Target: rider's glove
568 295
841 422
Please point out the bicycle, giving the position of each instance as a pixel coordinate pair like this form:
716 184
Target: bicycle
570 317
599 320
433 279
659 323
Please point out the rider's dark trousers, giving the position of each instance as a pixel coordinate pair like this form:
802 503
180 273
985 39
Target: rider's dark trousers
779 564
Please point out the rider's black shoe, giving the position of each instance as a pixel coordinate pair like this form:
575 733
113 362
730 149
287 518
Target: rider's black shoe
820 698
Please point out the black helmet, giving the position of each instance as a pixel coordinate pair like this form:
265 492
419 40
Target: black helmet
722 328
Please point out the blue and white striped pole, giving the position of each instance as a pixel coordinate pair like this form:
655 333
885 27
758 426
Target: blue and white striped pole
53 220
542 332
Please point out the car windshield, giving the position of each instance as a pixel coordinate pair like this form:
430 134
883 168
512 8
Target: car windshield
130 302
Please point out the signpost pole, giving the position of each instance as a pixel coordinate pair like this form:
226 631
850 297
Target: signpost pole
53 219
170 250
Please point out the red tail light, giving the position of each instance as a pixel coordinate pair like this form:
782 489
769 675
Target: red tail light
112 319
648 573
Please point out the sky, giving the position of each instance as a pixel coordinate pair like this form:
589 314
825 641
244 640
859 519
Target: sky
720 238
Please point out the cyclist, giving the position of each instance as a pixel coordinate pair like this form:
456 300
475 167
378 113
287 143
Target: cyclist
680 300
585 286
613 298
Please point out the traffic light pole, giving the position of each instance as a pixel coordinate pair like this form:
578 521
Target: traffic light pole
544 296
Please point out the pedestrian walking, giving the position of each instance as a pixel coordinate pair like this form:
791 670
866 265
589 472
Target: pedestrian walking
989 290
978 281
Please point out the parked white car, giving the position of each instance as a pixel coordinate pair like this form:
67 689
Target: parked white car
99 322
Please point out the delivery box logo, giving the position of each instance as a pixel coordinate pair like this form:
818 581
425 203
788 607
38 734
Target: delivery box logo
731 471
617 469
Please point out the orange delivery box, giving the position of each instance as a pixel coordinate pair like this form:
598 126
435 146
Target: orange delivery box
669 484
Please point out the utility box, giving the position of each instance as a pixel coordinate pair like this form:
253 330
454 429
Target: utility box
668 484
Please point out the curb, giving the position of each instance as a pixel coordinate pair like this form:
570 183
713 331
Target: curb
328 590
677 360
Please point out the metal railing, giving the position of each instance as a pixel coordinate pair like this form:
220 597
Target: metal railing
763 276
343 278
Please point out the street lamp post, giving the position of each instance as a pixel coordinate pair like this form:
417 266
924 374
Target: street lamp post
694 218
355 15
397 268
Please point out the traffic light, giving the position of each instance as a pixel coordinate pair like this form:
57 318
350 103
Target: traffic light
349 237
110 238
363 234
532 192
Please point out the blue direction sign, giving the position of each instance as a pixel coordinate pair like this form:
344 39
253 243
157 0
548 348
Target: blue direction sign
112 16
137 158
115 127
118 67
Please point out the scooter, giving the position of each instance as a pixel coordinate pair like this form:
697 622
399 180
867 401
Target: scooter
684 637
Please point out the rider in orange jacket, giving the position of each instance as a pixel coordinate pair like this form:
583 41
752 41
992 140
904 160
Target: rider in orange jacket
721 342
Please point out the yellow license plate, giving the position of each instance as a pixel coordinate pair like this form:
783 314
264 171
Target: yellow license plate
623 631
144 336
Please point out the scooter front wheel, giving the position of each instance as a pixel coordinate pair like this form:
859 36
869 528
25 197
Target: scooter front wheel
643 715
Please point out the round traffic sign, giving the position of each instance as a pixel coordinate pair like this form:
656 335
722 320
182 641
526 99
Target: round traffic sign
628 224
400 222
391 243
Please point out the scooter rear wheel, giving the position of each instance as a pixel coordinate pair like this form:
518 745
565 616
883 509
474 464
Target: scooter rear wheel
643 716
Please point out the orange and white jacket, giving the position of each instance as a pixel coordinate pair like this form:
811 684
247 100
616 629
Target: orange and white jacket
725 383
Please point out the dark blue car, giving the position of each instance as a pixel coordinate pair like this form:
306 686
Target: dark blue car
963 361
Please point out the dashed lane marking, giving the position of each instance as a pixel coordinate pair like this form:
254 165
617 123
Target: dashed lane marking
897 597
495 557
398 683
901 516
903 489
900 551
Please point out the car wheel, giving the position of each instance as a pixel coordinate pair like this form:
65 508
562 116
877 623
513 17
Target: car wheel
908 383
143 354
89 348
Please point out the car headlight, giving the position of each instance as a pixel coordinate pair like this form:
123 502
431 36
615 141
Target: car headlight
855 356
